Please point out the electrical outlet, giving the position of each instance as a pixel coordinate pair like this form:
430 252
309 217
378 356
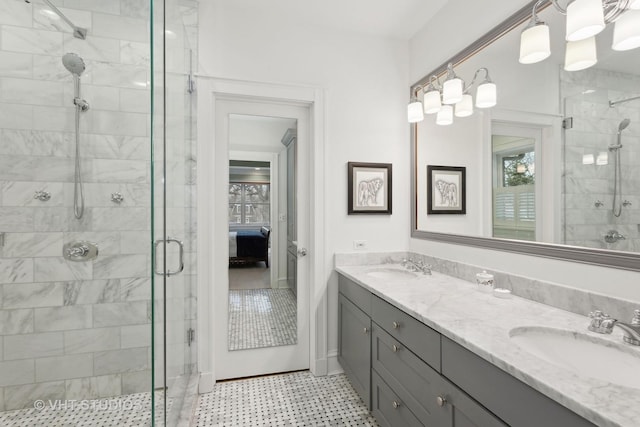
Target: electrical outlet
359 244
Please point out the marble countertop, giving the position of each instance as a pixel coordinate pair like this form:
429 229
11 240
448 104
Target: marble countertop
481 323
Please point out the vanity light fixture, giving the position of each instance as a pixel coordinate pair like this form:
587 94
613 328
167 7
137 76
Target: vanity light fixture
452 97
585 19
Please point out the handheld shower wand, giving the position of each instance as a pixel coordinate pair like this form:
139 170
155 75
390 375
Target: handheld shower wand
75 65
617 178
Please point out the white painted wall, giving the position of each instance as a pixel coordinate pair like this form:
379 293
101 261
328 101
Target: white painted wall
623 284
365 82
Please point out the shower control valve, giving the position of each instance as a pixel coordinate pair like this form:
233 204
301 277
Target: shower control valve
626 203
117 197
598 204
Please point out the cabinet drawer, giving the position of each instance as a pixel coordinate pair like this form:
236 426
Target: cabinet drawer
424 341
355 293
415 382
510 399
388 408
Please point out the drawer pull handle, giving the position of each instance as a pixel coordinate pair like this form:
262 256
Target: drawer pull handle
395 404
395 348
396 325
441 400
365 331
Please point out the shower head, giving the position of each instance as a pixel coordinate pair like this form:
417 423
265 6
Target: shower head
73 63
623 125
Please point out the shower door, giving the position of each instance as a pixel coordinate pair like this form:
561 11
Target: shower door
173 213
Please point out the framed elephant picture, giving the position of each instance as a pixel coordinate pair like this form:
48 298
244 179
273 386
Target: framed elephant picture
369 188
446 192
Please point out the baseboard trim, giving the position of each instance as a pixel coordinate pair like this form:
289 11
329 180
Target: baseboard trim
207 380
333 366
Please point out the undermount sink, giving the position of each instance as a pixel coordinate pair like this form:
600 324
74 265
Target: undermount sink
390 273
582 354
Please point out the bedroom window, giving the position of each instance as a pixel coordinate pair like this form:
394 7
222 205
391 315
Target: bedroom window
249 203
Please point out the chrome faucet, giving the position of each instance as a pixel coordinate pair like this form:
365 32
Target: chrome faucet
412 265
603 324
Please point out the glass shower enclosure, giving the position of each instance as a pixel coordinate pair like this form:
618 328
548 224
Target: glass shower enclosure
97 212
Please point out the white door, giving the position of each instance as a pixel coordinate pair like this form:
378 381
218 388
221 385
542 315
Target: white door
238 363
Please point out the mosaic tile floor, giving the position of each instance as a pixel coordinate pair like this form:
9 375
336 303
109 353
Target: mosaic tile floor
294 399
133 410
261 318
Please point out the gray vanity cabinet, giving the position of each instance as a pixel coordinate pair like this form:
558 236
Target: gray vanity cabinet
354 337
410 375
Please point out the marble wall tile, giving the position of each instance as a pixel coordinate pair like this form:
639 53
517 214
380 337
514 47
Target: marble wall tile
120 314
16 322
134 8
29 91
91 292
135 289
135 336
29 40
124 171
58 269
93 387
16 270
112 7
133 53
23 245
16 372
16 141
108 242
23 396
93 48
16 116
134 100
136 382
120 27
121 361
91 340
129 219
22 193
63 318
121 75
119 123
16 219
48 219
30 295
42 21
120 266
135 242
15 13
15 64
32 345
54 119
64 367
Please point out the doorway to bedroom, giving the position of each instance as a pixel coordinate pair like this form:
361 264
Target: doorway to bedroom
262 307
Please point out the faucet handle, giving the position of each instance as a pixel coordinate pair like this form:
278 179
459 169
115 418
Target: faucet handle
636 318
601 322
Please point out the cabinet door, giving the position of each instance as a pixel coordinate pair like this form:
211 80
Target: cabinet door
354 347
466 411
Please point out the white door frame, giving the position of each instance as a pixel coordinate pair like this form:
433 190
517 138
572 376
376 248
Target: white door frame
210 90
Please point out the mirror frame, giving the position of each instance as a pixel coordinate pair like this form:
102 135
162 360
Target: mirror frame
598 257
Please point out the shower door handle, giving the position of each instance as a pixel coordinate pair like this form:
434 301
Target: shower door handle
181 256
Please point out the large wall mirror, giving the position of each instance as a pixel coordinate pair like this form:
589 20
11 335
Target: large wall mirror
554 168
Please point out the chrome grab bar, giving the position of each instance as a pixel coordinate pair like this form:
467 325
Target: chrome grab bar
155 256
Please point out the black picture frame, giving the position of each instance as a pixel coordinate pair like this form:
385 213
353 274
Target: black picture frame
369 188
446 190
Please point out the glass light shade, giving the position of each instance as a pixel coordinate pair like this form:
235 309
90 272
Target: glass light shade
520 168
452 91
431 102
585 18
587 159
445 115
580 55
535 44
464 108
635 4
486 95
414 112
626 32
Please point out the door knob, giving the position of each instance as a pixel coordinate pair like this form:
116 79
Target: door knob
441 400
302 252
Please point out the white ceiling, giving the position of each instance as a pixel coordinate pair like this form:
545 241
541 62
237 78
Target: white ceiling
399 19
